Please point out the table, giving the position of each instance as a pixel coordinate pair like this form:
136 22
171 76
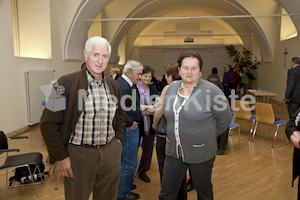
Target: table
261 93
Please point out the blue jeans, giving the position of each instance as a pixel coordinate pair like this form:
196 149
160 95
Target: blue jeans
128 160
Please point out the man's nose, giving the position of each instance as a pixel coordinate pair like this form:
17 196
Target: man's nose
100 59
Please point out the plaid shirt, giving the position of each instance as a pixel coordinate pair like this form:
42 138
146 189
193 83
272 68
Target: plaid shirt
94 126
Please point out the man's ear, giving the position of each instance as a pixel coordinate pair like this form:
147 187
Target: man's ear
129 73
85 55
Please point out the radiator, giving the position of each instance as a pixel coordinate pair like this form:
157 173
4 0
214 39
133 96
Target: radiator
34 94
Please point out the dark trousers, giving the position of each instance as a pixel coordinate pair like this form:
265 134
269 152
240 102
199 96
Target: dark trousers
222 146
174 172
298 188
222 142
233 86
94 170
145 162
160 151
226 91
292 108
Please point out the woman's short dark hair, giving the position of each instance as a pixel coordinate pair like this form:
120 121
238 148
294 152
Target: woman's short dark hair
192 54
172 70
148 69
214 70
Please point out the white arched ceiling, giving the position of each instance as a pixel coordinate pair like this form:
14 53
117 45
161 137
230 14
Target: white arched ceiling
77 34
292 6
203 31
138 8
243 27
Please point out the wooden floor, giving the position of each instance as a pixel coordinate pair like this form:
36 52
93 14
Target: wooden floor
256 172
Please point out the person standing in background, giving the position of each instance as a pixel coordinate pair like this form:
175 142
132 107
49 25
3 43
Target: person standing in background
234 79
114 72
226 80
81 134
214 77
127 82
148 95
293 134
244 80
292 92
171 75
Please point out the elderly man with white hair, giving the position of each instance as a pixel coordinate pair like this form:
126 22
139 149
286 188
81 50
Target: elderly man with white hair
131 104
85 137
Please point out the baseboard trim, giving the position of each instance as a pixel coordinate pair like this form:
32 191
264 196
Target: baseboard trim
23 130
280 103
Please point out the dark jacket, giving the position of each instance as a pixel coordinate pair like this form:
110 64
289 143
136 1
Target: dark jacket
292 91
132 101
290 128
117 76
153 91
57 127
227 77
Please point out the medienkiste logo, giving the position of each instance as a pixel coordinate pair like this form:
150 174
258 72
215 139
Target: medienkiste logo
54 100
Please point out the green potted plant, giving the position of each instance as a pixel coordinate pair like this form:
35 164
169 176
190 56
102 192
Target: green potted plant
244 64
242 59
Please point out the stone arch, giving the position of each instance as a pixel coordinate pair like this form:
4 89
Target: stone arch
90 8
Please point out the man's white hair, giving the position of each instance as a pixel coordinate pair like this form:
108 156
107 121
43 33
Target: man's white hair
132 65
96 40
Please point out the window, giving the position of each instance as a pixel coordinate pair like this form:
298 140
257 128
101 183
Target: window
31 28
287 28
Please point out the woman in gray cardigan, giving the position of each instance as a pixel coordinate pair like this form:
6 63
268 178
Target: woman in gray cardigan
196 112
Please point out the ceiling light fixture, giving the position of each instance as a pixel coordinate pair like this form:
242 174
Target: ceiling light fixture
188 39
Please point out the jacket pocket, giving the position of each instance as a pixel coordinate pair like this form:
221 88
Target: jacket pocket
198 145
167 139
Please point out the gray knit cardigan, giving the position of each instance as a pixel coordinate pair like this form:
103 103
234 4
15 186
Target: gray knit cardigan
204 116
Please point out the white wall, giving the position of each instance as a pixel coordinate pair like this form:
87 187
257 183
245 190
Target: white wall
13 111
273 76
158 58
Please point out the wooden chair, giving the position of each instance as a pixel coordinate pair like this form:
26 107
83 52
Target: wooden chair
244 114
265 115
